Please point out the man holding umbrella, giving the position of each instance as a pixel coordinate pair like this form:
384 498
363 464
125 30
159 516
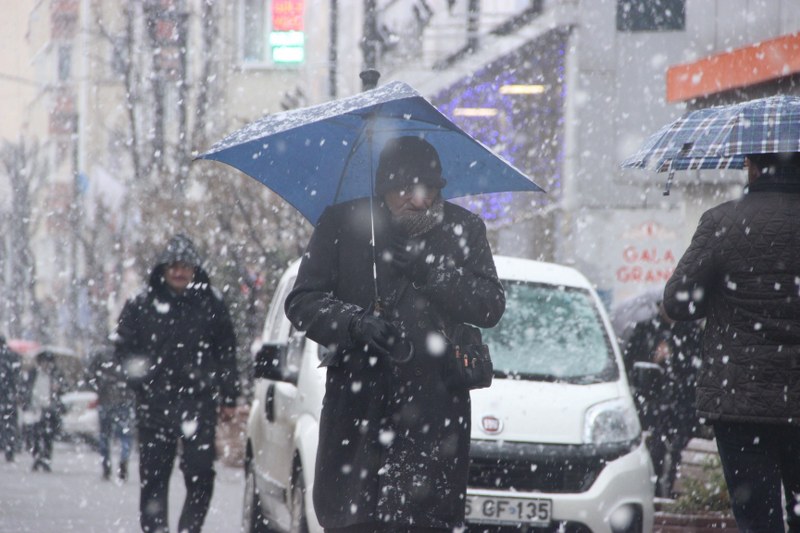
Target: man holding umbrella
394 435
741 273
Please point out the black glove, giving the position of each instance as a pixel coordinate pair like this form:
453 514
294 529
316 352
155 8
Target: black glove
369 330
408 257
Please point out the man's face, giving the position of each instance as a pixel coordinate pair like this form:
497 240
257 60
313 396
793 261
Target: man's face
179 275
412 199
753 172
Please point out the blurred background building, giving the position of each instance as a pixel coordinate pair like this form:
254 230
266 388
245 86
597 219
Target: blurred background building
105 102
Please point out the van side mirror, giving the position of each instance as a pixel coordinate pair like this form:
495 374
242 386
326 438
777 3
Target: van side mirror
270 363
647 378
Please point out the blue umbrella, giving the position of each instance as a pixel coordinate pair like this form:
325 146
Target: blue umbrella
720 137
327 154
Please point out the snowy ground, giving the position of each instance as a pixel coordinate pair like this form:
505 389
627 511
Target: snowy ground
74 498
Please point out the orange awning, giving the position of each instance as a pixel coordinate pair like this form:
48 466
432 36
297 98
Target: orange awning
741 67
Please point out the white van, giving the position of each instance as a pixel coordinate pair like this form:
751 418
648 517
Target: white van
556 441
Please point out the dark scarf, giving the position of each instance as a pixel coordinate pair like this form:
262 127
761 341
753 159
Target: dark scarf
421 222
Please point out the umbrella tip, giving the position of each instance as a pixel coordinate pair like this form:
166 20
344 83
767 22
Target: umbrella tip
369 79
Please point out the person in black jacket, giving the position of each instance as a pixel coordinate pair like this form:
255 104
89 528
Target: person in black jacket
394 437
177 346
741 273
667 411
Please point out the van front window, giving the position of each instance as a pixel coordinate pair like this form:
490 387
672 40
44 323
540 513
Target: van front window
551 333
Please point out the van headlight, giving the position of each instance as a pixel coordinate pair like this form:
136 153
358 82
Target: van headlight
610 422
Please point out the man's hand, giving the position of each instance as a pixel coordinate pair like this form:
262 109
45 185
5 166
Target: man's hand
372 331
407 257
226 414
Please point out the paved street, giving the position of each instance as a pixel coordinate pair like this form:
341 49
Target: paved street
74 498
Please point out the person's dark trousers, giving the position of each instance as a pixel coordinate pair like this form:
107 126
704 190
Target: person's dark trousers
756 459
115 421
158 448
8 431
44 432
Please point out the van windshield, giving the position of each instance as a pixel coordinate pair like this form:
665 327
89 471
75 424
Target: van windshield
550 333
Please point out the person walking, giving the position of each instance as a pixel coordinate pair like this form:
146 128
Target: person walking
667 410
114 409
9 395
740 272
394 436
177 347
43 407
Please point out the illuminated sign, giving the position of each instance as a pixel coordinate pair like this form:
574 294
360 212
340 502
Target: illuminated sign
287 38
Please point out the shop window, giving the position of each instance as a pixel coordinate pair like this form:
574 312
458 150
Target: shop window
651 15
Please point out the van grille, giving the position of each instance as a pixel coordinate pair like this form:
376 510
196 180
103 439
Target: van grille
538 467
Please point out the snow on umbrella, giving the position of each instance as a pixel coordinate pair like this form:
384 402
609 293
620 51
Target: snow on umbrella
326 154
720 137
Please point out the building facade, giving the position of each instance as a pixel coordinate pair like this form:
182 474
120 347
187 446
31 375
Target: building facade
563 89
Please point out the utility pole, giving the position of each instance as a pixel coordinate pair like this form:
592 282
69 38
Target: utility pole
333 50
369 42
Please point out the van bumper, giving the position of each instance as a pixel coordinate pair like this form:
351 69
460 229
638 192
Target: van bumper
624 484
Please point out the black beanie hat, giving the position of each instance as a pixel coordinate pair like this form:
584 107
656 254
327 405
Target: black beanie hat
405 161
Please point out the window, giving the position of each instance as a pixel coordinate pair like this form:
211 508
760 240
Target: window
119 55
272 32
254 31
551 333
64 62
651 15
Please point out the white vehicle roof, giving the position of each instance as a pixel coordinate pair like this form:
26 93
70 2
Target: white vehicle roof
515 268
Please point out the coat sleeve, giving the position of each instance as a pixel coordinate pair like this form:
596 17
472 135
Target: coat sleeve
125 338
471 293
686 293
227 373
312 306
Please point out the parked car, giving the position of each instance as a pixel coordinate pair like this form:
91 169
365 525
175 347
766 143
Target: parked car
556 442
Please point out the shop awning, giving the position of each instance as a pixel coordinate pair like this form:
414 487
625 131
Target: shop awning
742 67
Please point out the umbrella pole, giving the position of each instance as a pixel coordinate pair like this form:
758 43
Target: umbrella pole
377 308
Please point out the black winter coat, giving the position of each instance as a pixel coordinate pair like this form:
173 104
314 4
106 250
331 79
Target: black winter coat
189 344
394 439
742 272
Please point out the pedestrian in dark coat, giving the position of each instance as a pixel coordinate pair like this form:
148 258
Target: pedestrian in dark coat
741 273
177 346
10 364
394 438
667 410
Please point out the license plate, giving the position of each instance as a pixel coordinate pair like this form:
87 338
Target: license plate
533 511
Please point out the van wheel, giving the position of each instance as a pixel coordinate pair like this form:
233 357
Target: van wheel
298 510
253 519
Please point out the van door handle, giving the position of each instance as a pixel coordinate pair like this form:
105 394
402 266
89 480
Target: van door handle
269 403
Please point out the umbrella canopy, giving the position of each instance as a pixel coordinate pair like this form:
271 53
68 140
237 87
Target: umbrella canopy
640 308
720 137
327 154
